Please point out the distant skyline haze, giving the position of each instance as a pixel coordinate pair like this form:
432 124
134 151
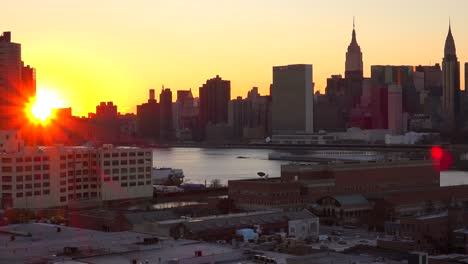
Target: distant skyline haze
92 51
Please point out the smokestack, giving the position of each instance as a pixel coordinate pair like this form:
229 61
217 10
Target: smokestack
151 94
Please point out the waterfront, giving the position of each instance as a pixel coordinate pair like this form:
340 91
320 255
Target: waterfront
206 164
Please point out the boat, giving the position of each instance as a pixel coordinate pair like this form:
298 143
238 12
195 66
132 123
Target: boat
167 176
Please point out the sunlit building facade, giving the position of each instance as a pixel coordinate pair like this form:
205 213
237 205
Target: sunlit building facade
45 177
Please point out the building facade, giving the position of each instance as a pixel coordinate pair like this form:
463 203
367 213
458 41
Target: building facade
17 84
166 119
44 177
148 118
293 99
395 108
214 99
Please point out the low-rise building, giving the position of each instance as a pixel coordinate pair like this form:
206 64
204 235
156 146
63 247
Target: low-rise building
55 176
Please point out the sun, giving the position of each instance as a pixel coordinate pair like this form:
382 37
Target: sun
40 110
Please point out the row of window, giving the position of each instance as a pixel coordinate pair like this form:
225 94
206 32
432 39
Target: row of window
25 159
126 170
78 196
71 181
123 162
124 178
35 193
26 168
132 184
20 178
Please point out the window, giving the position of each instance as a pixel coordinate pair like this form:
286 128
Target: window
37 185
106 163
123 184
141 183
28 186
7 178
63 199
133 184
45 184
37 177
46 192
37 159
123 162
37 193
19 187
6 160
28 194
19 195
62 190
115 163
6 187
19 159
106 179
7 169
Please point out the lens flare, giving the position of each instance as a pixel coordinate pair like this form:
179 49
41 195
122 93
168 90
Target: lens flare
40 110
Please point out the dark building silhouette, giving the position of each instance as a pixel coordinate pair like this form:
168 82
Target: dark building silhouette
214 99
17 84
148 119
430 80
451 84
250 118
104 125
186 111
353 74
166 118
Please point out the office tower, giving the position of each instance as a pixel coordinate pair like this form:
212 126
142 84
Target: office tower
466 76
148 119
395 108
450 83
105 123
214 99
430 80
250 117
12 100
292 99
28 76
165 103
353 65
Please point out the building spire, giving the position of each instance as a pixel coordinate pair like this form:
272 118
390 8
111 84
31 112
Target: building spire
353 23
449 48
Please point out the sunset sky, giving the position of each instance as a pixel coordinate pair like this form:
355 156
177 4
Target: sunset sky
89 51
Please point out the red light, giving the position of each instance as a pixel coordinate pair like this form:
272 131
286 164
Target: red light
441 159
437 153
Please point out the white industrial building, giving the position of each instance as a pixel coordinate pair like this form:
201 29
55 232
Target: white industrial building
44 177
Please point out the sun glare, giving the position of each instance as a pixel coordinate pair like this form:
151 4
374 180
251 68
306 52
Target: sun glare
41 109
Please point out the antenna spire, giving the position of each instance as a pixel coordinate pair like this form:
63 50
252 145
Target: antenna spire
353 23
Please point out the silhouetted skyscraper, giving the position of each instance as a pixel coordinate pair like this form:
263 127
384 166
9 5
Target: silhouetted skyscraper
395 108
214 99
13 98
293 99
450 83
165 101
148 118
353 66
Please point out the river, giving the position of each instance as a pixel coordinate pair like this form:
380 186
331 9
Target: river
206 164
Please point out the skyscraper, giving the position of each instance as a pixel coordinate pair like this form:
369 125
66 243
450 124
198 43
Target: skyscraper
292 99
148 117
395 108
353 65
165 102
214 99
450 83
13 98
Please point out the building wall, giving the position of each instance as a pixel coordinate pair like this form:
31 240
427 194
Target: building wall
292 99
395 108
59 176
304 228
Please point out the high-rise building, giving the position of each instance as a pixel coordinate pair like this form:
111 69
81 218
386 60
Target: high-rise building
466 76
293 99
214 99
165 102
353 66
250 117
450 83
395 108
13 98
148 118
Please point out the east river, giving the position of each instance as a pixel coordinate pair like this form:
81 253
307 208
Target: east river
206 164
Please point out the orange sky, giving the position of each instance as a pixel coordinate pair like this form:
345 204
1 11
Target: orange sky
90 51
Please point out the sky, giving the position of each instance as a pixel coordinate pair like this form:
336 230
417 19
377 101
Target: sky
90 51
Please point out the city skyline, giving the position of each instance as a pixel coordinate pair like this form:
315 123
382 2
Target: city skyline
244 52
